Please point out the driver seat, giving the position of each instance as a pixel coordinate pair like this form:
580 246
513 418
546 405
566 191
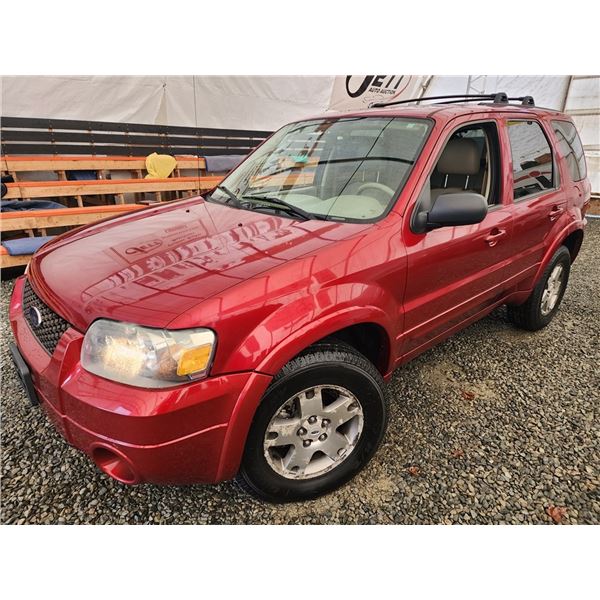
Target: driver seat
462 157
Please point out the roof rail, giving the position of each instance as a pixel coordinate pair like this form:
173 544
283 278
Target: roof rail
496 98
499 97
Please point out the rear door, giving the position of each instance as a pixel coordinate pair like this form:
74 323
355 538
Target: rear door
538 202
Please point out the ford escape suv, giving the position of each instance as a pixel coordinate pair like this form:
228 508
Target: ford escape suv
248 333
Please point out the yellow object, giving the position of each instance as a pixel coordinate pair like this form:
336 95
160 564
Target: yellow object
159 166
194 360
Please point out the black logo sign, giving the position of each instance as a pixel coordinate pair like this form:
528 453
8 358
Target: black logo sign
391 85
35 316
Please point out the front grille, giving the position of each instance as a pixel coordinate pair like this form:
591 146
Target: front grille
45 324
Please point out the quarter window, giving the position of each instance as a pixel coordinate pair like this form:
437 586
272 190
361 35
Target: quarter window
571 148
533 166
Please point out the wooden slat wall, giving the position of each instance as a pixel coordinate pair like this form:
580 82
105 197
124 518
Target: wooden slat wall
67 137
68 217
30 164
57 189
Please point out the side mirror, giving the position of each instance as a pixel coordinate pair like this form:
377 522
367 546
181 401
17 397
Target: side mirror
450 210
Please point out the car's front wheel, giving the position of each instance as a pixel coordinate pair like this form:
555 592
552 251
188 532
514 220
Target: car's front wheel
320 422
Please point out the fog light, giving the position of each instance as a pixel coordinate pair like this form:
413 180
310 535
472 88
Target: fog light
114 465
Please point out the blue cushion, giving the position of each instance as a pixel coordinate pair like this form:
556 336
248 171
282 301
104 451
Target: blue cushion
13 205
223 163
82 175
26 245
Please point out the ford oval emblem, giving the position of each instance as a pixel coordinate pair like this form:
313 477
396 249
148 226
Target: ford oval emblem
35 316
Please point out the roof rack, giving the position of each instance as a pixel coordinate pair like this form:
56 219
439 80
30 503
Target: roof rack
497 98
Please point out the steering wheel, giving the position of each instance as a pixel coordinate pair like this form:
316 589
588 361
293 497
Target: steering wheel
376 186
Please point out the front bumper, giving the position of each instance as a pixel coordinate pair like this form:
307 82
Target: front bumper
185 434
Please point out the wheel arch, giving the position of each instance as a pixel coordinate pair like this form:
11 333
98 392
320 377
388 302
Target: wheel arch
366 329
573 243
370 339
571 237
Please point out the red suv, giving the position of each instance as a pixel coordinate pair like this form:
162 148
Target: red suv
249 332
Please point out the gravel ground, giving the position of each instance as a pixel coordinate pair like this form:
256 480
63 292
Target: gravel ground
495 425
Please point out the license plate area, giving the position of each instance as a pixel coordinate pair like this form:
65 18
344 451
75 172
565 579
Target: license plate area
24 374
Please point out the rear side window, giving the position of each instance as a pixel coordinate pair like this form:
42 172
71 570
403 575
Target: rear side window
533 167
571 148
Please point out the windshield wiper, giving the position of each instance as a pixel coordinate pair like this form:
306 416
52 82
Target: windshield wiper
233 199
285 206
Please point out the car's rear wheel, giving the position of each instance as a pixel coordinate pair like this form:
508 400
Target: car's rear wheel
542 304
320 422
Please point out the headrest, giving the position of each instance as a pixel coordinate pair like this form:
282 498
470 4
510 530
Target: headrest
460 157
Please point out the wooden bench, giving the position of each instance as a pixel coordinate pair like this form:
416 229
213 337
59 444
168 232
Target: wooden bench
102 165
22 220
45 219
7 261
115 187
41 220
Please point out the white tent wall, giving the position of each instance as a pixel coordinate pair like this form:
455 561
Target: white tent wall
268 102
578 96
118 99
583 105
237 102
547 91
244 102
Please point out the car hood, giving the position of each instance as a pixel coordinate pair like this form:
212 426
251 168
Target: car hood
151 266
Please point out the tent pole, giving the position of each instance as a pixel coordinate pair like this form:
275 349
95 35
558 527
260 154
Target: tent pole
564 104
424 86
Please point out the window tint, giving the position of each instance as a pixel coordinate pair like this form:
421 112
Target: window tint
571 148
533 167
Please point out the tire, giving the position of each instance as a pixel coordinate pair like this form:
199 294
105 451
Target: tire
325 369
531 315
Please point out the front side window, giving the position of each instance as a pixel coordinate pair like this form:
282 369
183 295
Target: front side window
340 169
533 165
469 163
571 148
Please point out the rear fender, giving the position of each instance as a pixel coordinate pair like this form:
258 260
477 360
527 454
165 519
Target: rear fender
558 242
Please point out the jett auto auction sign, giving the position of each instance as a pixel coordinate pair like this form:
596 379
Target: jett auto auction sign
358 91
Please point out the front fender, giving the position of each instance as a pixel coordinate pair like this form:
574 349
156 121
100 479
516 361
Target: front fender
298 338
295 325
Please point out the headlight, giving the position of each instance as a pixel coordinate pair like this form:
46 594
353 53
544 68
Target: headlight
145 357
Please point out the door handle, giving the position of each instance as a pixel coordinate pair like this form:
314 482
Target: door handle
495 235
556 212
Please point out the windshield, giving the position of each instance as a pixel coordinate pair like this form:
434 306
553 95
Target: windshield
343 169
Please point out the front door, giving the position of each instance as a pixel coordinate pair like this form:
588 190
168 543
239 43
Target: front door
455 273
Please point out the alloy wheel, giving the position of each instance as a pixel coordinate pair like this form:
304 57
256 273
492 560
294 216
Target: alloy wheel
313 432
552 290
